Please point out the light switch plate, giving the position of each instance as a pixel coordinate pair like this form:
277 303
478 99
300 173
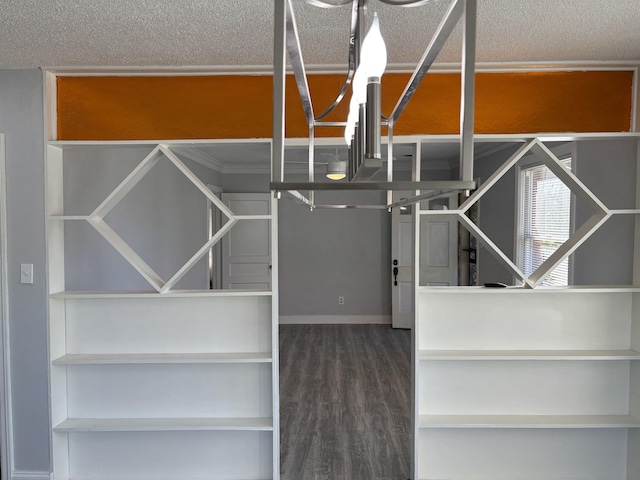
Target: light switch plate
26 273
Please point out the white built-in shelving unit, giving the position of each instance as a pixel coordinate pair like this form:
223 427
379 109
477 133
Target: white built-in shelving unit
165 383
527 384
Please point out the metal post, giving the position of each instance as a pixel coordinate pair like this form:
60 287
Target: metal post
279 66
468 91
390 162
374 112
312 153
355 143
362 134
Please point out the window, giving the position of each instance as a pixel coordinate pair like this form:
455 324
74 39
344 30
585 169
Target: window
544 221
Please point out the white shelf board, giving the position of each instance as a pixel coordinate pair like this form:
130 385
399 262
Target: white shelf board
528 421
523 290
431 355
154 294
126 358
163 424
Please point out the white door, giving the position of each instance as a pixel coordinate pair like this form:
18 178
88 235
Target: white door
401 268
246 249
439 244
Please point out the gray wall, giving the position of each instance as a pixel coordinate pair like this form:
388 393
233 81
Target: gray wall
608 169
329 253
497 216
22 120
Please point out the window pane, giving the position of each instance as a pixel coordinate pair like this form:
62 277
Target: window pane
545 221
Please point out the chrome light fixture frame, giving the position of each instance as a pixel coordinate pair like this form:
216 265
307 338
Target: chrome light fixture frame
287 42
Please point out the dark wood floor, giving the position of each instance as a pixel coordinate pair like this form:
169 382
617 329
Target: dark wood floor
345 400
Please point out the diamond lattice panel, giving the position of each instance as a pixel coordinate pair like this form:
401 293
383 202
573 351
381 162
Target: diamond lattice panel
97 218
599 216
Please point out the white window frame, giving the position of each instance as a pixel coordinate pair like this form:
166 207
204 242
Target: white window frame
529 161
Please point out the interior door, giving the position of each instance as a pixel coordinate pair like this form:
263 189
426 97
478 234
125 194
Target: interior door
439 242
401 267
246 249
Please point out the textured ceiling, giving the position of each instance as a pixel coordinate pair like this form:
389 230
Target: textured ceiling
58 33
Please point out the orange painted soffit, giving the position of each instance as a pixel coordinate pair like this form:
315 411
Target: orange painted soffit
213 107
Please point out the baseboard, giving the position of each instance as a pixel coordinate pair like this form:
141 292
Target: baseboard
22 475
335 319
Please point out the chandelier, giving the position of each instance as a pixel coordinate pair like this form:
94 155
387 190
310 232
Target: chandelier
362 127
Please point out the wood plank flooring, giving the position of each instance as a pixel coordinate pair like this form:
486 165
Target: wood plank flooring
345 402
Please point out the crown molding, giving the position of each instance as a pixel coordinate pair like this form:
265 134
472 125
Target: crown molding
200 70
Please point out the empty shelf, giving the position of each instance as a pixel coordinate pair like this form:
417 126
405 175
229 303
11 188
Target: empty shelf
528 421
529 355
124 358
162 424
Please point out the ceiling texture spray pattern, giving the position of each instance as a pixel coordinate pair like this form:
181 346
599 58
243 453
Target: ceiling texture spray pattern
147 33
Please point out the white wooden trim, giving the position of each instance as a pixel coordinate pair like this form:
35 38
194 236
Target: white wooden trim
163 424
154 294
170 358
635 102
636 242
528 355
275 338
332 141
528 421
335 319
50 106
192 70
6 428
26 475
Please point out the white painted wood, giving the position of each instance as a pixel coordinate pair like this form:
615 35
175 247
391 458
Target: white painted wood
30 475
416 462
275 341
171 455
247 249
162 424
528 384
6 437
151 295
402 245
158 384
134 358
633 459
222 324
529 421
633 442
523 454
180 390
55 230
524 388
514 355
504 319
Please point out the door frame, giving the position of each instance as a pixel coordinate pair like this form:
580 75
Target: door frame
6 439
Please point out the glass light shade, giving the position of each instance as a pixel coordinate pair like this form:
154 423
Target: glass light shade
373 55
359 85
336 169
